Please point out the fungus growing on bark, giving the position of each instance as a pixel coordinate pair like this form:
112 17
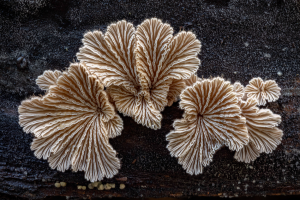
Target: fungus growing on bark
47 79
261 125
262 91
72 123
211 119
141 68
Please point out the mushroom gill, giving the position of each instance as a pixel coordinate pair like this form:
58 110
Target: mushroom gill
47 79
262 91
211 119
71 125
141 67
261 125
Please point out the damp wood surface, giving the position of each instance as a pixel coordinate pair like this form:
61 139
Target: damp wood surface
240 40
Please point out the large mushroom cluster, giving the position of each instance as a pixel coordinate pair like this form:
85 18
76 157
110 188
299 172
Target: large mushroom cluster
139 72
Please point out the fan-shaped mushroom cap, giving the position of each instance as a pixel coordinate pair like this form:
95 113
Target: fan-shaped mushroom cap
139 67
111 56
161 57
71 124
263 91
47 79
238 89
211 119
262 130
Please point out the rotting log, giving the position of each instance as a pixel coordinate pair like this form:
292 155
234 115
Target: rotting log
240 40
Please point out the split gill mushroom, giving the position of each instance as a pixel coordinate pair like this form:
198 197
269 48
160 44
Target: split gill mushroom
211 119
72 124
141 68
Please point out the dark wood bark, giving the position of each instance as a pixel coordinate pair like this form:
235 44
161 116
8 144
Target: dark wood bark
240 40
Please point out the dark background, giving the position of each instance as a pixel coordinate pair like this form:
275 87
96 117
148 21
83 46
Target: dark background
241 39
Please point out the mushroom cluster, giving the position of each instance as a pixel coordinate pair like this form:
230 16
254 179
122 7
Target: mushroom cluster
139 72
134 71
218 114
143 69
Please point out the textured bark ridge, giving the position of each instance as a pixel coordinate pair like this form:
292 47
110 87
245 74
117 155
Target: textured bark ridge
240 40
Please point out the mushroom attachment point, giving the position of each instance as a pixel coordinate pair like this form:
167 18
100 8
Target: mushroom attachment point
211 119
72 124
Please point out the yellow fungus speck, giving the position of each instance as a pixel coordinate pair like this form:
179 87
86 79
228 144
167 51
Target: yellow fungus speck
122 186
63 184
101 187
57 185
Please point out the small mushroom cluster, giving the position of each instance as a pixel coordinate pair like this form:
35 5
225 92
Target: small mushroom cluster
218 114
139 72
